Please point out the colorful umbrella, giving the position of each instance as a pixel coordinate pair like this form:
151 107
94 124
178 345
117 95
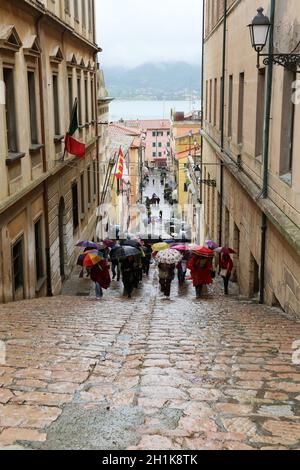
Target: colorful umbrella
225 251
211 244
160 246
203 252
169 257
88 244
91 258
80 259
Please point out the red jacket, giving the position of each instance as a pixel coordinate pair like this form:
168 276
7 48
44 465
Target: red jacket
226 263
201 269
100 274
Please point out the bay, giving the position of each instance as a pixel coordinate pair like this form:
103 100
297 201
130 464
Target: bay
131 110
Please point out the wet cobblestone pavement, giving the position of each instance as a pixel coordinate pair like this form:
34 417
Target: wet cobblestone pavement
148 373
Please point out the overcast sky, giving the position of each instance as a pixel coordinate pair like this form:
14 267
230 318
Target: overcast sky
132 32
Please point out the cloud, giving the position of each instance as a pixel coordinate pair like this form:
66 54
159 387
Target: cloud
132 32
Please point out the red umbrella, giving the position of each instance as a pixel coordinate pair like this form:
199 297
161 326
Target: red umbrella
225 251
203 252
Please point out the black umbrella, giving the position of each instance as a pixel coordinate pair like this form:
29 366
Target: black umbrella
124 252
133 243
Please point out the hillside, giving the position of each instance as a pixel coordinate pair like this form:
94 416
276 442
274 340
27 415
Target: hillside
175 80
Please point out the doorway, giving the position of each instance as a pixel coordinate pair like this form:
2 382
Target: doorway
254 277
61 229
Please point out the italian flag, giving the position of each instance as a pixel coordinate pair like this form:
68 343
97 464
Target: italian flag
73 146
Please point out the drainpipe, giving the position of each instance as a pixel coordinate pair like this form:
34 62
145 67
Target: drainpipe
266 146
45 167
202 98
222 102
97 130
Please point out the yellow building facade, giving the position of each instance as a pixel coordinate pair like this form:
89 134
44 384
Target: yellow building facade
48 58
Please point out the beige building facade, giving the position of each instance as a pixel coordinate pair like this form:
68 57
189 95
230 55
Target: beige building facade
48 58
261 222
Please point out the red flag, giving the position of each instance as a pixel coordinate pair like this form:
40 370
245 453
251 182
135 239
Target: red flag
120 165
74 147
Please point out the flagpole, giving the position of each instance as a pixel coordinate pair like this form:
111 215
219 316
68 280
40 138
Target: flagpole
74 111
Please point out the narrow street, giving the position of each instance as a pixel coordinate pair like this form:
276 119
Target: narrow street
148 373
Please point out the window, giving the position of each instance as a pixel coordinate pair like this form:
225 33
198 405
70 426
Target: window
86 101
241 108
215 101
39 265
160 144
82 193
70 91
153 134
10 110
94 178
83 13
154 154
79 101
56 105
67 6
226 227
32 107
17 265
159 154
288 124
221 107
210 101
236 240
154 144
89 185
206 100
168 133
76 11
260 111
75 206
92 100
90 15
230 100
168 144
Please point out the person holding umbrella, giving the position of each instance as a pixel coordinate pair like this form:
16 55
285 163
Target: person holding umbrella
167 261
146 260
101 277
201 265
98 268
128 275
166 276
226 267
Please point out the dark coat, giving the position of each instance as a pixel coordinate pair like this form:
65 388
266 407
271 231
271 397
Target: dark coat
100 274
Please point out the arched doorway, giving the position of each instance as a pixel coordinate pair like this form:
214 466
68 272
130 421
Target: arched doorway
61 230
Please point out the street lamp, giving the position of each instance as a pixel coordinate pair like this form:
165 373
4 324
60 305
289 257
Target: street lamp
197 171
259 32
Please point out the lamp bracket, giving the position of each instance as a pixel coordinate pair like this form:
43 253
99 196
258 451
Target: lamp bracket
289 61
211 183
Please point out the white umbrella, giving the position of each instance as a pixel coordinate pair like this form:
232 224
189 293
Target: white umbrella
169 257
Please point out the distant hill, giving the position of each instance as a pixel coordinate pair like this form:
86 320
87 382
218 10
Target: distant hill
174 80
